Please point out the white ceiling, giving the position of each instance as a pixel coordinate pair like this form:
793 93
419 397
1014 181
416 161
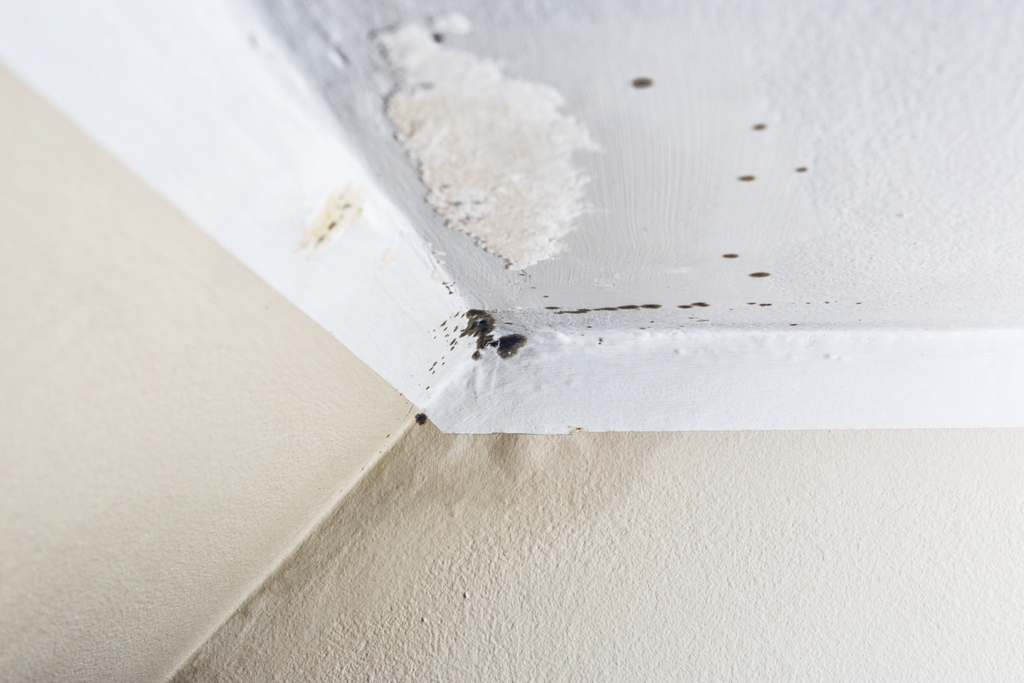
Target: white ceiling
893 297
906 116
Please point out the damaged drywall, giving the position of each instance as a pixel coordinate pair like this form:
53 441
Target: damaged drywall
495 153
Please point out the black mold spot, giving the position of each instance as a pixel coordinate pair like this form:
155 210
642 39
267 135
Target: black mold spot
730 255
685 306
747 178
629 307
642 82
766 304
552 308
481 326
760 126
651 306
421 419
606 308
802 169
700 303
792 324
760 274
438 38
510 344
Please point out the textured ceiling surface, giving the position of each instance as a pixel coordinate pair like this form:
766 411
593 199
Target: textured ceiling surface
865 155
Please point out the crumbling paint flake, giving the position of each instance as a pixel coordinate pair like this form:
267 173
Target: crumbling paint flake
495 153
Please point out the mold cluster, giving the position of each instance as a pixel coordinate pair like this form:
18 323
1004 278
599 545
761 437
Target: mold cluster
481 325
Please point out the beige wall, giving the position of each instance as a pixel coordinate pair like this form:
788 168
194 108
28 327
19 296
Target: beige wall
169 425
770 556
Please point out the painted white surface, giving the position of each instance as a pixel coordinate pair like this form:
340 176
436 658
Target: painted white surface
170 427
756 556
898 248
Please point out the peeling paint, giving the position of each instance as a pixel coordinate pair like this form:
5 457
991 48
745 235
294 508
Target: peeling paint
341 209
495 153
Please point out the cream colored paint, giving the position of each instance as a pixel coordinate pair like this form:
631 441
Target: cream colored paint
741 556
494 153
169 425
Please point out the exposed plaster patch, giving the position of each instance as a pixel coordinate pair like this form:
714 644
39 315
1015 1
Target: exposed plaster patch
341 209
494 152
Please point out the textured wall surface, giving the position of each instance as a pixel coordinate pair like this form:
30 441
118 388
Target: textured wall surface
169 425
887 555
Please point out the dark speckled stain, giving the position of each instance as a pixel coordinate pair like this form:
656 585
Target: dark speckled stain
510 344
627 307
421 419
481 326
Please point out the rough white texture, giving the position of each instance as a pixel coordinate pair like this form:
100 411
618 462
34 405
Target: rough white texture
495 153
826 556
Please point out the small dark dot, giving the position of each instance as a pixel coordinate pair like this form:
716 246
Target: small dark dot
760 274
730 255
642 82
802 169
792 324
858 303
760 126
544 296
551 308
747 178
421 419
438 38
751 303
685 306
